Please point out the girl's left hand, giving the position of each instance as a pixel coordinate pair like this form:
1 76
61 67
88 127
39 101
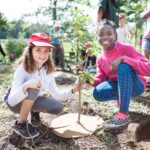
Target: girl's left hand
115 63
77 88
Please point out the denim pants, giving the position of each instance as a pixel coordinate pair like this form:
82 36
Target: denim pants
127 86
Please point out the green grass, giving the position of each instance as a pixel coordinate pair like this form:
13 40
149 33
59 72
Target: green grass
67 47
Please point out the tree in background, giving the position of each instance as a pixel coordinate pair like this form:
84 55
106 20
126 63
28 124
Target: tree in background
3 26
57 10
77 26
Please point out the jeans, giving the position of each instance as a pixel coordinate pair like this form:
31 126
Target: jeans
127 86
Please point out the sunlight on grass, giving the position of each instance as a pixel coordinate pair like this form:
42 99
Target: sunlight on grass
5 113
5 81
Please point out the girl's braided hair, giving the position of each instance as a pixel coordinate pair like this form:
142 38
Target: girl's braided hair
107 22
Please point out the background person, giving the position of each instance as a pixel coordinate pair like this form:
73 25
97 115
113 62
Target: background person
107 9
124 33
146 36
89 60
57 36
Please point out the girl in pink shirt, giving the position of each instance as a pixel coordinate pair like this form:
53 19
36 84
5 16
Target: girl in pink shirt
119 73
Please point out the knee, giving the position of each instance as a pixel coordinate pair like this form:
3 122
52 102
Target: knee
32 94
124 67
97 95
57 110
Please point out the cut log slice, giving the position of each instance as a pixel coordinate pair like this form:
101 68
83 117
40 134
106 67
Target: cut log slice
67 125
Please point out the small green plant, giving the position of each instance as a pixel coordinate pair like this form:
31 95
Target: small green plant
85 76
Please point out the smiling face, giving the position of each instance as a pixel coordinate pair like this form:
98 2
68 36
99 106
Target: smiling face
40 55
107 37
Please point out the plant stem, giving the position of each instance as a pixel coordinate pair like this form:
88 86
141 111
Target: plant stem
79 105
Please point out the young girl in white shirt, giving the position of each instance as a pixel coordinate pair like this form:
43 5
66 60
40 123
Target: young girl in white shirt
33 88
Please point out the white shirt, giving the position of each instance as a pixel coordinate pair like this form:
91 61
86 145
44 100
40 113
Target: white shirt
47 83
123 34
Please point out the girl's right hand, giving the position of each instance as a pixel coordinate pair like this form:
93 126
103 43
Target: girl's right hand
115 63
77 88
33 84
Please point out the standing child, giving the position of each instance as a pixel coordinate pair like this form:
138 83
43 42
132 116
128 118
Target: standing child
32 80
119 73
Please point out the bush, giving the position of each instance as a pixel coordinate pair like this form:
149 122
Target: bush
15 47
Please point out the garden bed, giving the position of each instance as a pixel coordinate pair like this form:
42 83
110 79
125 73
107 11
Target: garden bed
135 136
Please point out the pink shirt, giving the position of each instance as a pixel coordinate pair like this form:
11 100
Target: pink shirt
132 57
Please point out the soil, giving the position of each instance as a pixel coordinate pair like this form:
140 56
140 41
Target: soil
135 136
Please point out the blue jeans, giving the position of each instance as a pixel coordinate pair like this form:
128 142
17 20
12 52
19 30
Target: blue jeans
129 85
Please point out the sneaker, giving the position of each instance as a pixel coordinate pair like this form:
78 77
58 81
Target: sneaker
35 119
120 120
26 130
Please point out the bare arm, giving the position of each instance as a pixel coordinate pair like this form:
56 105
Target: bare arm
146 15
100 14
131 35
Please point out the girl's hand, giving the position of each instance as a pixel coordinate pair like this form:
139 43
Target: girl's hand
33 84
77 88
115 64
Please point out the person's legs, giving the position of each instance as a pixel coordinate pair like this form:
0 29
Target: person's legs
146 47
47 104
129 85
55 54
22 127
61 57
106 91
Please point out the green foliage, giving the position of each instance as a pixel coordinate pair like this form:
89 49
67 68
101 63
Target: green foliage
85 76
77 26
3 22
15 46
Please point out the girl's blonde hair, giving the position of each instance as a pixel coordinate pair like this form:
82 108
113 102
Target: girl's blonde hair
28 62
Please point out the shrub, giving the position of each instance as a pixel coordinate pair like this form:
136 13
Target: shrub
15 47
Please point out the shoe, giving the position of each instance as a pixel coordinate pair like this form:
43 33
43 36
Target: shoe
120 120
26 130
35 119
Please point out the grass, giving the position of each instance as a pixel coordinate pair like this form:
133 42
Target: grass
5 82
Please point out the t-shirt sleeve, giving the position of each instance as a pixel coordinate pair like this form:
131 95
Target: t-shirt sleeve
130 51
17 94
100 75
56 92
141 66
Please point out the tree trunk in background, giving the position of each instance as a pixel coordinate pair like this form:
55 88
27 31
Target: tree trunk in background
54 9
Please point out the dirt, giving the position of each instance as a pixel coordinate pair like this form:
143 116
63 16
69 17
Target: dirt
135 136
